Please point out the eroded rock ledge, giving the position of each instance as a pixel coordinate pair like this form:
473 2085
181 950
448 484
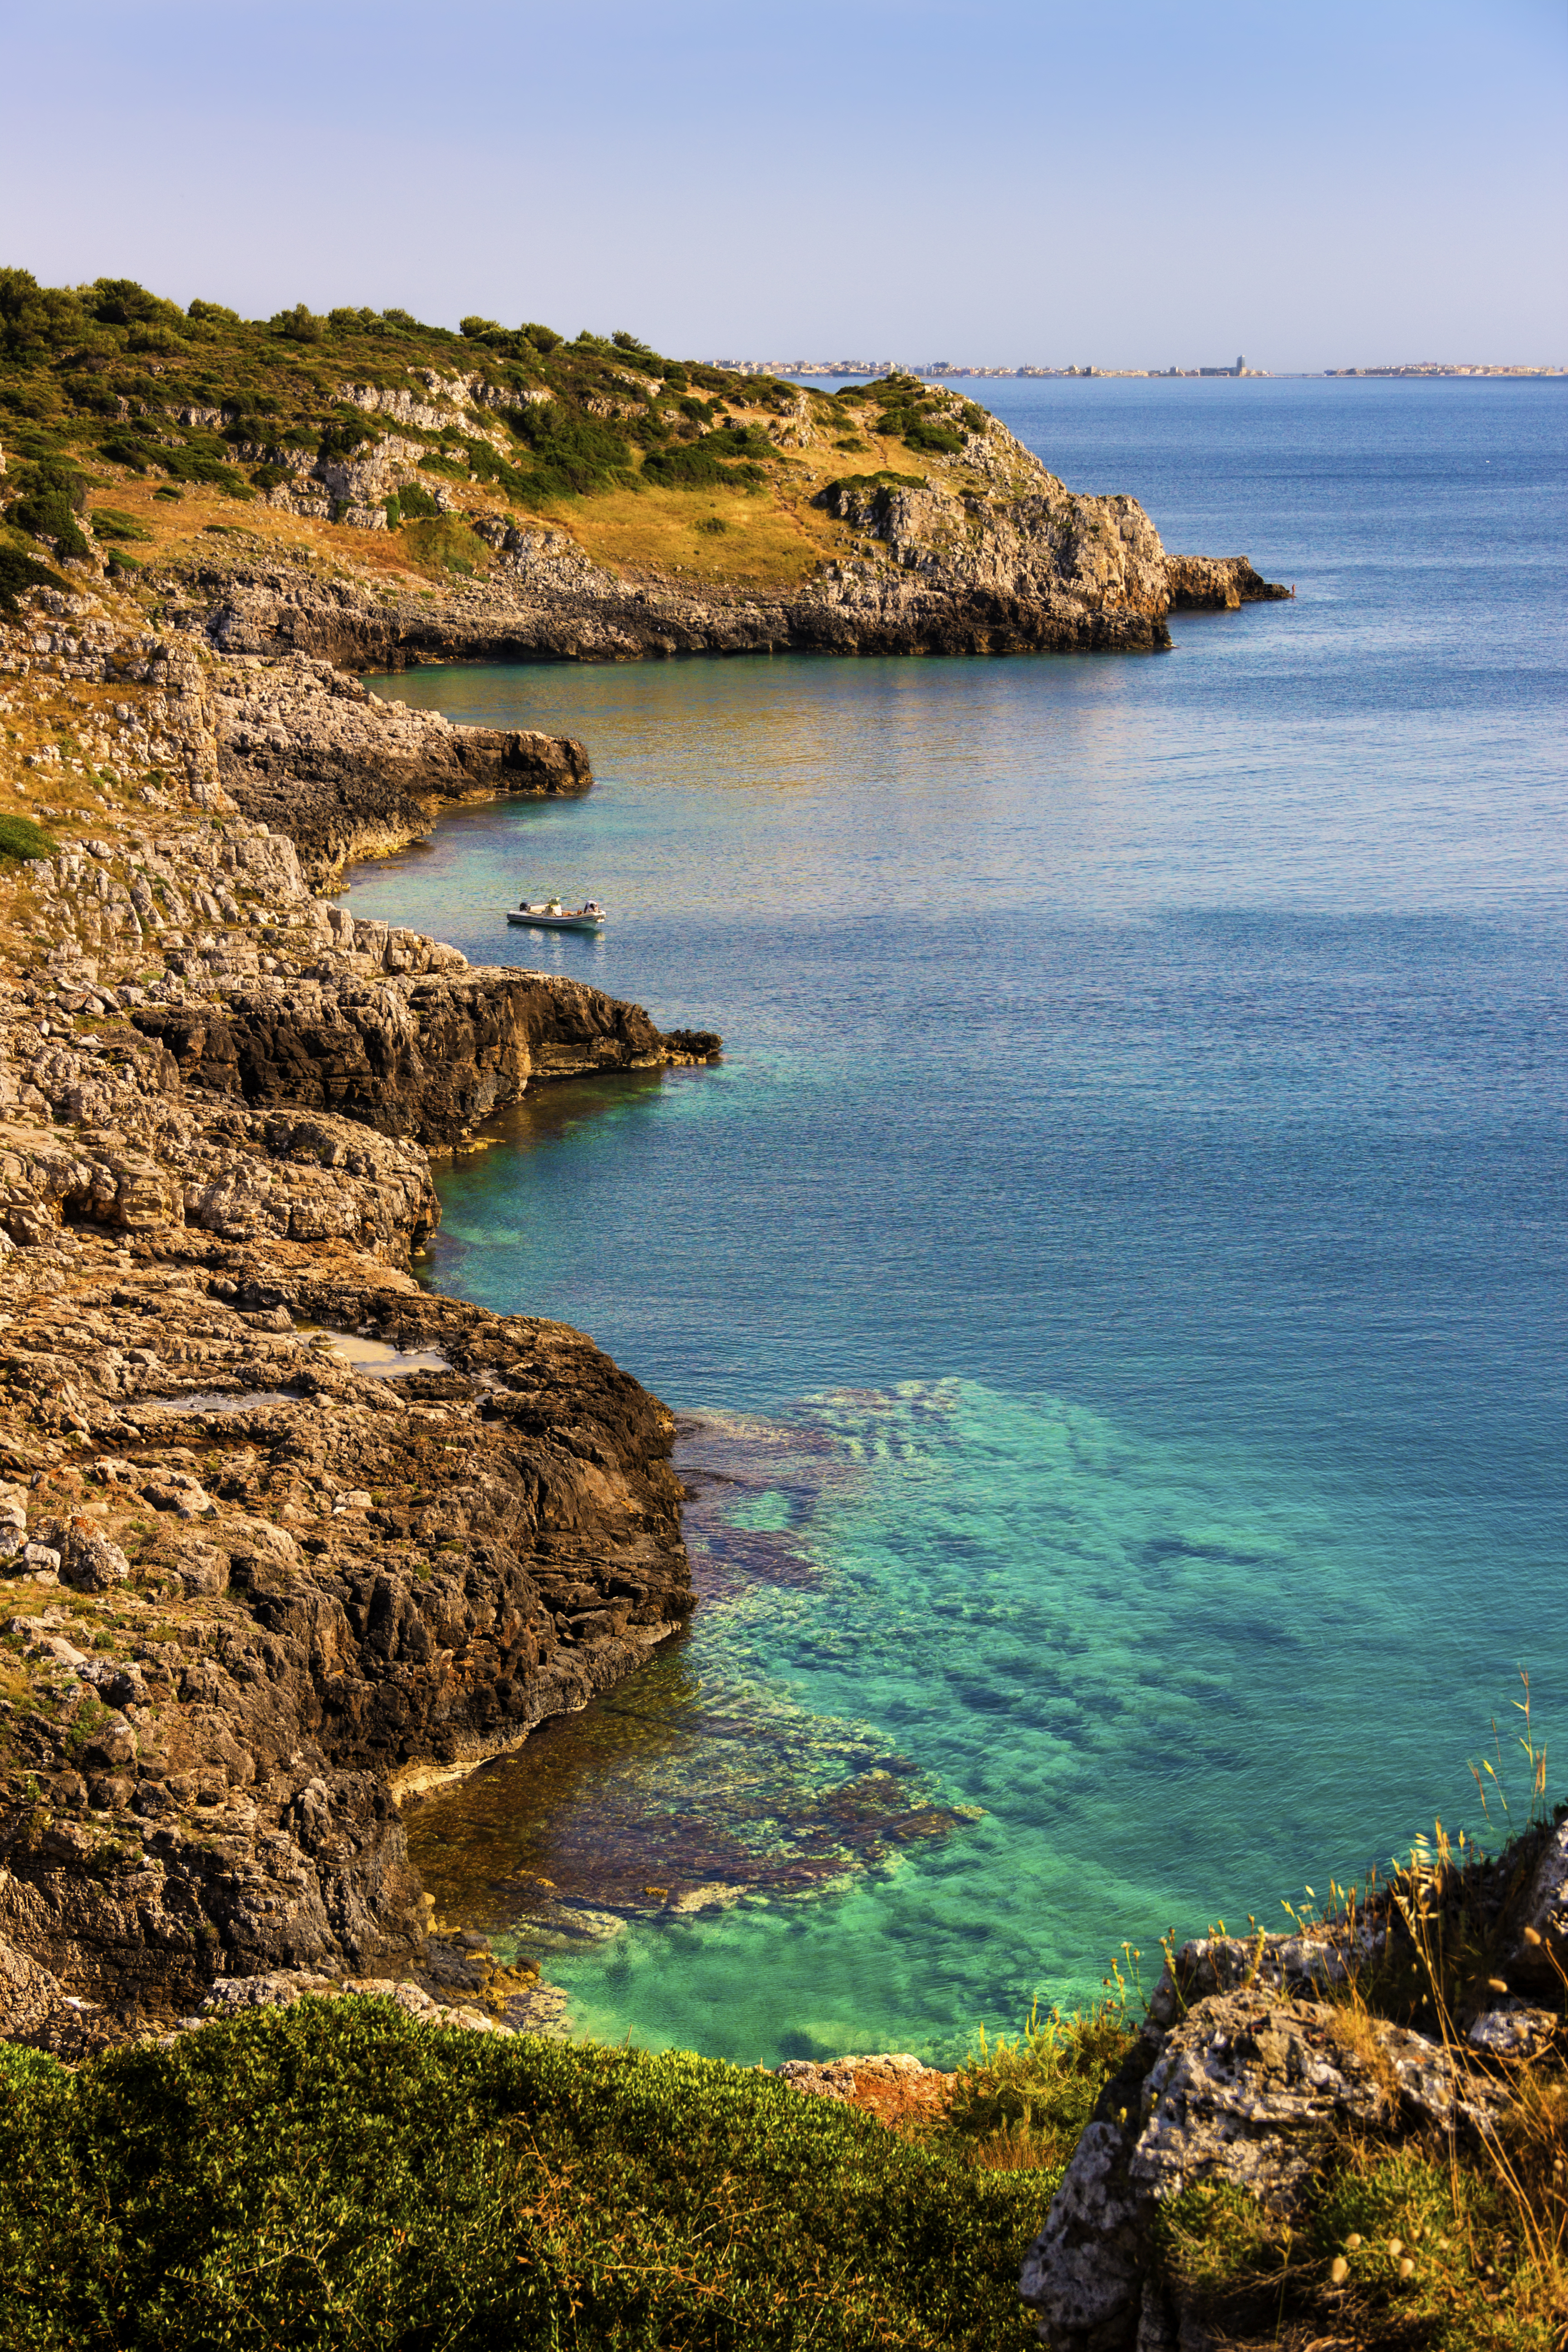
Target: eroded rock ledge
927 584
276 1526
990 554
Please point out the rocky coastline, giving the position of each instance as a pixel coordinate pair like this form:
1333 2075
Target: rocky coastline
285 1540
252 1586
279 1532
921 572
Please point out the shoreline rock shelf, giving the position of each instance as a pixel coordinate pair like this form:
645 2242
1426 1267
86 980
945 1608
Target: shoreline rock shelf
930 573
244 1583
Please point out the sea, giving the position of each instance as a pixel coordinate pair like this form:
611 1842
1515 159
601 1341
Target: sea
1111 1289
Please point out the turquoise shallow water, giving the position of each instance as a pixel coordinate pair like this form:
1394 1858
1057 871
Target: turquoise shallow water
1118 1265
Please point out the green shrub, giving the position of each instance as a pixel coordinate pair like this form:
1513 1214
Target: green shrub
868 482
572 454
336 2174
265 477
120 302
33 400
37 319
414 502
715 525
921 435
20 571
1024 2102
300 324
702 465
108 523
197 464
126 449
53 495
19 836
444 544
348 431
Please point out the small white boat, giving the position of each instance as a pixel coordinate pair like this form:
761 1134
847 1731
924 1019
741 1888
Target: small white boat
550 915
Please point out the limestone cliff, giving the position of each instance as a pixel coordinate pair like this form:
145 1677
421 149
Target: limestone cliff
986 552
251 1572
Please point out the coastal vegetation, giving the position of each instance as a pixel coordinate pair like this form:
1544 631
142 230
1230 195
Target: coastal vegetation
339 2171
113 402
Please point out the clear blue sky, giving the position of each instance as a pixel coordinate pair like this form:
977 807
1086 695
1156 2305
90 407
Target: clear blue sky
1156 183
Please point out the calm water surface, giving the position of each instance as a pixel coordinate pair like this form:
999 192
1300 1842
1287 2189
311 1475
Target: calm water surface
1115 1276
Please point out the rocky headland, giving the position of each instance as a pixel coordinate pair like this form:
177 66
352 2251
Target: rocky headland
370 492
1011 562
281 1535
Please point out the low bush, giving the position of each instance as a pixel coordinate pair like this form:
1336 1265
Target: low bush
348 431
571 454
19 836
336 2173
866 484
444 544
919 435
300 324
108 523
1023 2103
414 503
120 302
53 495
1393 2246
20 571
703 465
127 449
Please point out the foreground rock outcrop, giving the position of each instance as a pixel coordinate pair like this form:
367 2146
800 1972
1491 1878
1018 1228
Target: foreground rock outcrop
1259 2060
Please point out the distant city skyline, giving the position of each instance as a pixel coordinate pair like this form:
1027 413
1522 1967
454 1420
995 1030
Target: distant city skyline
1153 184
940 370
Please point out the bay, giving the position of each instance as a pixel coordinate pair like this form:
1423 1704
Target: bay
1114 1283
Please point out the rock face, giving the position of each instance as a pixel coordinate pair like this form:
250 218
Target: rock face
1217 583
999 557
1239 2077
352 1570
344 774
429 1056
252 1577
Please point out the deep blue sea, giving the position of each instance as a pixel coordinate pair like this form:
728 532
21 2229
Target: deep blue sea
1118 1266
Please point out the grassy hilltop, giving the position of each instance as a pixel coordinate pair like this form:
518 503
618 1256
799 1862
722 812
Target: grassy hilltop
160 424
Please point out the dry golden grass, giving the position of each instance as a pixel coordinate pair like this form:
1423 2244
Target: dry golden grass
775 538
769 541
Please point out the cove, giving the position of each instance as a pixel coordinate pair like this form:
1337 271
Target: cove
1113 1285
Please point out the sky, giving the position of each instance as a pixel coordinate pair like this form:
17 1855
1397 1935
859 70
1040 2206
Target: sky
1127 184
